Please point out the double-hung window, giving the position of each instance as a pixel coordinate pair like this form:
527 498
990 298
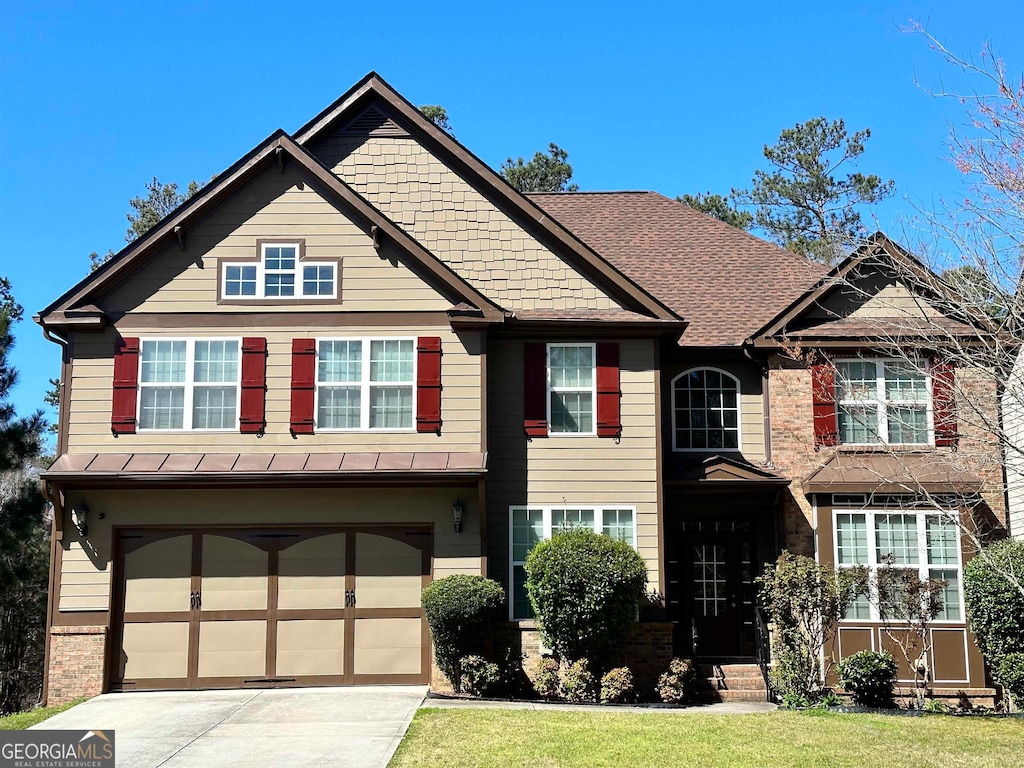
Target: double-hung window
280 272
572 388
189 384
927 543
365 384
533 524
883 401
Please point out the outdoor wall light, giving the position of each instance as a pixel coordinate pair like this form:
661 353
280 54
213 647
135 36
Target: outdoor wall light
457 510
80 517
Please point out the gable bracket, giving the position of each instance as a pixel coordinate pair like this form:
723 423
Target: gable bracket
279 154
375 234
179 234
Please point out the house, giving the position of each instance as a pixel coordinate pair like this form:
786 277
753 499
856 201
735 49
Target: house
358 360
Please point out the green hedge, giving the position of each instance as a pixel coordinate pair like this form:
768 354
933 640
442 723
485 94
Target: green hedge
461 610
585 589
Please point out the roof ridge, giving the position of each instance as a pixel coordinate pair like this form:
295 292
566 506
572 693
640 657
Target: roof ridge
597 192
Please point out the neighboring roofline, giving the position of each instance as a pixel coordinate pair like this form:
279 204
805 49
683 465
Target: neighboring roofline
343 197
879 240
569 245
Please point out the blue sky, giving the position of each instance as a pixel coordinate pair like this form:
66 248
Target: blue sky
98 97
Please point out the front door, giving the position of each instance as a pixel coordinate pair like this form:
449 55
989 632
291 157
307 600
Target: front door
722 608
230 608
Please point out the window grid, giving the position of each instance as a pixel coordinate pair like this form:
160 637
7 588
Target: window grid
280 272
705 411
926 542
365 384
883 401
572 389
189 385
530 525
709 583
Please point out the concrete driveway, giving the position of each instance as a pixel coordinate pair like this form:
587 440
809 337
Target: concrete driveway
353 727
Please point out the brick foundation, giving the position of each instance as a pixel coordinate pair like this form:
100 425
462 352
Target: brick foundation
647 653
76 663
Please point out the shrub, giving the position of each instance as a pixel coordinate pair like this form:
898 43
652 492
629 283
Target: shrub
795 701
480 677
617 686
461 609
678 685
805 602
585 589
545 679
1010 674
995 608
578 683
869 677
828 699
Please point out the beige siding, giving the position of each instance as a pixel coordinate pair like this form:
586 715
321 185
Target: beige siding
89 577
275 206
873 296
458 224
572 470
91 388
752 443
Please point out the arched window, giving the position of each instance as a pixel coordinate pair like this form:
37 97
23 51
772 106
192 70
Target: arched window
705 411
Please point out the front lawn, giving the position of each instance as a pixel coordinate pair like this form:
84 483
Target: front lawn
19 721
545 739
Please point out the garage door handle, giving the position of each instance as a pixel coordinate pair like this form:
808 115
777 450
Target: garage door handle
350 598
195 601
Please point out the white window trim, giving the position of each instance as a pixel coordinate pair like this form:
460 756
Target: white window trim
592 389
261 273
546 510
364 386
882 405
923 566
739 412
189 384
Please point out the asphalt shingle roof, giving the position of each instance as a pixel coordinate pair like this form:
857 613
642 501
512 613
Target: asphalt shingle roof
727 283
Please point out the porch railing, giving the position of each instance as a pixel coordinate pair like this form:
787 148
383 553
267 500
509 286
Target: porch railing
763 647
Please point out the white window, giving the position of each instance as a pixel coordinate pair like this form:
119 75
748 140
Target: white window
883 401
705 411
572 389
189 384
533 524
925 542
281 272
365 384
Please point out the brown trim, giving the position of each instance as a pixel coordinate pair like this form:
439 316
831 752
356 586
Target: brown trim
548 329
49 609
81 619
273 568
64 399
766 411
349 630
522 210
186 481
659 463
193 615
483 393
320 319
296 301
481 495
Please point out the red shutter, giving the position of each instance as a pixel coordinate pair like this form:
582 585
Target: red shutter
944 404
252 416
535 389
823 385
428 384
303 385
126 387
609 419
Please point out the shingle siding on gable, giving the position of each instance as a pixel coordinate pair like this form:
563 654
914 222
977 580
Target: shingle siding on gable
458 224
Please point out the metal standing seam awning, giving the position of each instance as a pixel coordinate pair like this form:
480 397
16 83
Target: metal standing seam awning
891 472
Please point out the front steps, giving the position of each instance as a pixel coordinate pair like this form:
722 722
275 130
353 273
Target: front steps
731 682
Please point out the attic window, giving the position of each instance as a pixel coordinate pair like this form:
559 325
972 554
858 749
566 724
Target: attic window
281 273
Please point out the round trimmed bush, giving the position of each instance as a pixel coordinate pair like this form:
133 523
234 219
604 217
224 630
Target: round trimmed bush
678 685
480 677
585 589
869 677
579 685
461 610
617 686
995 609
546 682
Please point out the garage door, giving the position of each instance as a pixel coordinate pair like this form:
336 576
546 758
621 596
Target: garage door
221 608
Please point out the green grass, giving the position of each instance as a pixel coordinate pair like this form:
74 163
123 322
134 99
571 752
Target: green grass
545 739
19 721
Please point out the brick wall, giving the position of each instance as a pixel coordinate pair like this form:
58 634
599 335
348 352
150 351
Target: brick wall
647 653
76 663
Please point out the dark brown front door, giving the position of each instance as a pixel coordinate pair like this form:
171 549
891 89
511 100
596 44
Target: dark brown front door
722 607
217 608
